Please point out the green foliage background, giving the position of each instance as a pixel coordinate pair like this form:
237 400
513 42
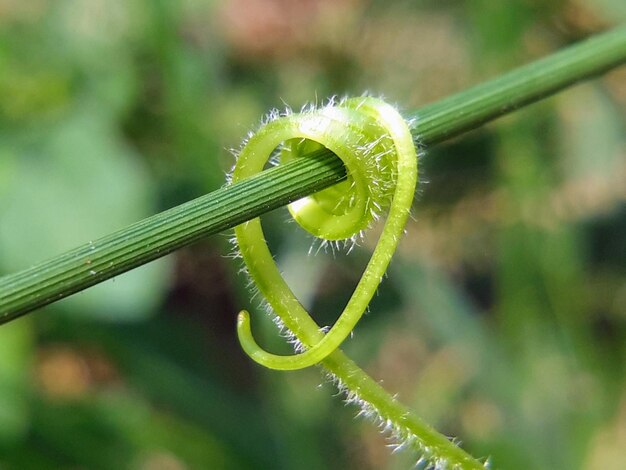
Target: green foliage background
502 321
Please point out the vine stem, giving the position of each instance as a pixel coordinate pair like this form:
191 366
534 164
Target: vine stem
227 207
406 428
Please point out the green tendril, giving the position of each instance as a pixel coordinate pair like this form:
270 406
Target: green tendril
376 146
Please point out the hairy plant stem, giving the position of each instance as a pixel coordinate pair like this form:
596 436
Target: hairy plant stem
227 207
404 426
353 122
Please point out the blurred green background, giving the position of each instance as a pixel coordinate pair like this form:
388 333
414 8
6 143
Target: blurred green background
502 321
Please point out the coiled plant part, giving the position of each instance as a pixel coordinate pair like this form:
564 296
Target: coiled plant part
375 144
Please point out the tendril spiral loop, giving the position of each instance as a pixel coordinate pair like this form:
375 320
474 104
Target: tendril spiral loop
376 146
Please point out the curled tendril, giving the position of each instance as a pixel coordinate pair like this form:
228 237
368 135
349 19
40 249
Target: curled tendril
376 146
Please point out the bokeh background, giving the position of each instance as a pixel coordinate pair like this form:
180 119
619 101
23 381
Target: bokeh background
502 321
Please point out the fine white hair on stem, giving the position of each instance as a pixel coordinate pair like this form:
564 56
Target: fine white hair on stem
377 148
399 438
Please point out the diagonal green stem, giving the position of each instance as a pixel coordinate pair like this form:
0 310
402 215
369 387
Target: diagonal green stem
163 233
469 109
405 426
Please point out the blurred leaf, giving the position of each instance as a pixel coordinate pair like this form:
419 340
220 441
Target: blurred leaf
592 136
117 430
611 10
71 184
16 344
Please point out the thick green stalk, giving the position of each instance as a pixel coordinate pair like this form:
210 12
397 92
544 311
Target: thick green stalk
163 233
525 85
